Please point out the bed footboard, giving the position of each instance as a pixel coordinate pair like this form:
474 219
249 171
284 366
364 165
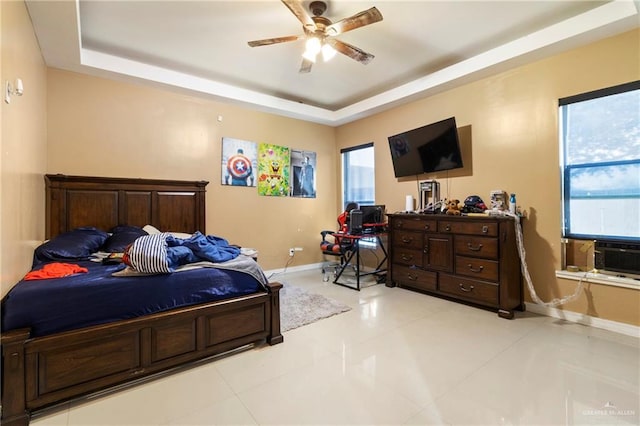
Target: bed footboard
44 371
14 410
275 336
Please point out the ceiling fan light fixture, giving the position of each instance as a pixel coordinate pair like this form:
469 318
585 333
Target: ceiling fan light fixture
313 45
309 56
319 32
312 48
328 52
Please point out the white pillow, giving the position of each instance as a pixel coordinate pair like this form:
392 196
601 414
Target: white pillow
181 235
151 230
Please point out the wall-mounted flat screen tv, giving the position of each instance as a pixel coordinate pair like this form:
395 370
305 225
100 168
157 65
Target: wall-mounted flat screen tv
427 149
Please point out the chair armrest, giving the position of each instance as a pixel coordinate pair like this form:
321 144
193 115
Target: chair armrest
325 233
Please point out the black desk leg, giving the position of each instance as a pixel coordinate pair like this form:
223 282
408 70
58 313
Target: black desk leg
384 251
354 252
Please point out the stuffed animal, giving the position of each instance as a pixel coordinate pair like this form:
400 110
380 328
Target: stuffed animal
453 207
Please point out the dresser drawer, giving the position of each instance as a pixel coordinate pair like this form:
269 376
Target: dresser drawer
409 257
415 224
408 240
414 278
489 229
468 245
482 269
472 290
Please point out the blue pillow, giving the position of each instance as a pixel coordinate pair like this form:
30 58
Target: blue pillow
121 236
77 245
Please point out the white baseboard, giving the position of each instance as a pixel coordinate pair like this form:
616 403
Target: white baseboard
616 327
299 268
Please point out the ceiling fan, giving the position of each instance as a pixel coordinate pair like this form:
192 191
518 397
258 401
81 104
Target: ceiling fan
319 32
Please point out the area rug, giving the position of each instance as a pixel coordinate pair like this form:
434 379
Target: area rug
299 307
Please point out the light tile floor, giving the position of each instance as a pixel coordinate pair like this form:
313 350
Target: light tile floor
398 357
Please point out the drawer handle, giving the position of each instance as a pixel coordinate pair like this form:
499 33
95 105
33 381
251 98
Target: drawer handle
472 248
463 288
14 361
427 226
447 227
471 268
412 277
407 240
399 224
425 250
406 257
485 229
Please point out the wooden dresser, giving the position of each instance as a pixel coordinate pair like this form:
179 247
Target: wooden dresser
469 259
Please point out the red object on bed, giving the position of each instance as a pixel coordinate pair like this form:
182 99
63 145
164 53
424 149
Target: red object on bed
54 270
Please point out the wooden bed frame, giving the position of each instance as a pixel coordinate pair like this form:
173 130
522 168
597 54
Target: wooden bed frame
44 371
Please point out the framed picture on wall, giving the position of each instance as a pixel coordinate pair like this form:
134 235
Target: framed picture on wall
303 174
239 162
273 170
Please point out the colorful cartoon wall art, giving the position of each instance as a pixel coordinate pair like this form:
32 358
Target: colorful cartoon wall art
273 170
239 162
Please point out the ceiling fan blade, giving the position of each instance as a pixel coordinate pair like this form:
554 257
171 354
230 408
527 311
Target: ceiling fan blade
297 8
350 51
305 67
358 20
274 40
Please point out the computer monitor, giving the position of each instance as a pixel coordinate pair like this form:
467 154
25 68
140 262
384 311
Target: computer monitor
373 214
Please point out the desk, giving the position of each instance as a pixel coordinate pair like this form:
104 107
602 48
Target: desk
356 239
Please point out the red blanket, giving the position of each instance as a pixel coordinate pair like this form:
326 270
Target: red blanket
55 270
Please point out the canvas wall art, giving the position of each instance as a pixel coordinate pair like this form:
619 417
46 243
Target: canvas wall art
239 162
303 174
273 170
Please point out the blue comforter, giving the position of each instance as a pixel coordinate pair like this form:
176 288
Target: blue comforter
197 248
97 297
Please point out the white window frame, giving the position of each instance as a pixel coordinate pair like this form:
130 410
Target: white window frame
570 197
347 175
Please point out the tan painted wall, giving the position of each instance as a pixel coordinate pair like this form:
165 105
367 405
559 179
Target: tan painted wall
106 128
510 123
99 127
23 148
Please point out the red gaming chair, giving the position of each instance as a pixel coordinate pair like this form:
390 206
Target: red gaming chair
339 247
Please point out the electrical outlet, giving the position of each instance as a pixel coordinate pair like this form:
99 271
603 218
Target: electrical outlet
291 250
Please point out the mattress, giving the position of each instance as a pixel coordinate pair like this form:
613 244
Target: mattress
50 306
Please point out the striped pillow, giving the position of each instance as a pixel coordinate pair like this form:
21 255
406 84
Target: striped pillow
149 254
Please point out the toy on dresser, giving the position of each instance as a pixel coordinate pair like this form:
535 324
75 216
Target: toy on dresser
498 200
453 207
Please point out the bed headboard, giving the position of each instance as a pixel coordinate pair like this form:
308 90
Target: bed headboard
105 202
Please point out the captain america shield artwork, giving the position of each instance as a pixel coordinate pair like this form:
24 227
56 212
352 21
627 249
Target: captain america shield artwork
239 160
239 166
